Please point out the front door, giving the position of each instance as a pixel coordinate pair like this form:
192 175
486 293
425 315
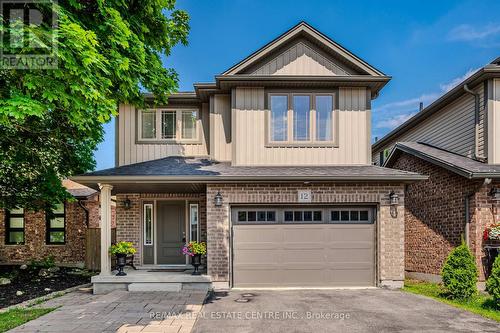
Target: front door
171 233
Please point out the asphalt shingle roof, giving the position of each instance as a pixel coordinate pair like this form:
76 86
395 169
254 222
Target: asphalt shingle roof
462 165
186 167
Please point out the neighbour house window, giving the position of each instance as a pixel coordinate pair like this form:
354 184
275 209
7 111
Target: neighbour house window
148 224
14 226
194 223
301 118
174 125
56 221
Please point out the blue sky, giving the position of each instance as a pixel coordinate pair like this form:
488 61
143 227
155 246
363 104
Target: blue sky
426 46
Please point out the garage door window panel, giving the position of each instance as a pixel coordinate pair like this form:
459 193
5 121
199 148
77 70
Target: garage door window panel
255 216
351 215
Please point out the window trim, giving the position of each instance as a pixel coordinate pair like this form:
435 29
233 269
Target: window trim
8 229
49 229
178 127
191 206
279 211
312 142
144 223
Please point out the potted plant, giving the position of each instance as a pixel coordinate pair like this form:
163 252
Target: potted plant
491 234
121 250
195 250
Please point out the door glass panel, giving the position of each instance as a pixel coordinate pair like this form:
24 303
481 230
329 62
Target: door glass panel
301 118
148 224
194 222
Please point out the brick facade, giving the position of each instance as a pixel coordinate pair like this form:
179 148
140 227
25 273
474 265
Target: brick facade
129 221
435 215
390 250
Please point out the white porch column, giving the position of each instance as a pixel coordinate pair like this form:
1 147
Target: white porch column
105 228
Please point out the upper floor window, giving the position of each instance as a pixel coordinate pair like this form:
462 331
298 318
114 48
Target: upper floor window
301 118
14 226
168 125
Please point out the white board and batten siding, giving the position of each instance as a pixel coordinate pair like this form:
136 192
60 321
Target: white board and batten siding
131 151
249 133
302 59
494 124
451 128
220 127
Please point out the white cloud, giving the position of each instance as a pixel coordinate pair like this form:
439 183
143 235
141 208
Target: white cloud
445 87
466 32
393 122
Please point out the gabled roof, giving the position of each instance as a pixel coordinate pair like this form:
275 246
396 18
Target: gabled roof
79 191
489 71
300 30
458 164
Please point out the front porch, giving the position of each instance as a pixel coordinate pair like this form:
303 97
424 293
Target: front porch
146 280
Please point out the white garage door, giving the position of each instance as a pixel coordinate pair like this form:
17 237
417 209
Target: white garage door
303 246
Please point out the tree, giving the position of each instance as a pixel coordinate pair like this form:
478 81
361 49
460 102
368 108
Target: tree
51 119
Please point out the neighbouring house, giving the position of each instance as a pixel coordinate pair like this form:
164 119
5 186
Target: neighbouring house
456 142
271 165
36 235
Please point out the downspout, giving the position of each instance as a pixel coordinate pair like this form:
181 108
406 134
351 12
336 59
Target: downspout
476 122
85 209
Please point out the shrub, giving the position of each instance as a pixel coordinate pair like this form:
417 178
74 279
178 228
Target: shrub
493 282
460 273
46 262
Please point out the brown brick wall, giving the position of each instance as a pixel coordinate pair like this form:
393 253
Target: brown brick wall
435 215
129 221
391 239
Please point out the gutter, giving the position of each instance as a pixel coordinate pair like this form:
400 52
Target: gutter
85 209
476 122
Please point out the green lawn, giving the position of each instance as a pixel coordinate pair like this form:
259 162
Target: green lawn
19 316
480 304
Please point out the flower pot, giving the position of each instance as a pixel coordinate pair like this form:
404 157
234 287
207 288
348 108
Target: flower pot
121 260
196 262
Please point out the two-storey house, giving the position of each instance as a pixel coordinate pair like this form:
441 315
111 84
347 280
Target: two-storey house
456 142
271 165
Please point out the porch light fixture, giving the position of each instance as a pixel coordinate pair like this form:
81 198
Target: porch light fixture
127 203
218 199
394 201
495 193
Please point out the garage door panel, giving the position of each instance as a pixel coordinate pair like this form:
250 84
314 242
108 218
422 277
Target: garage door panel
303 255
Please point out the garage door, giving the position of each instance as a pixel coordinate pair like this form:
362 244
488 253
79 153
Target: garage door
303 247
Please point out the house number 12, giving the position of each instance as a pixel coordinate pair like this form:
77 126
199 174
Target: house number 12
304 196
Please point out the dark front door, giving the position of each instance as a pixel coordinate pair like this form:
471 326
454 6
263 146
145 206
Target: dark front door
171 233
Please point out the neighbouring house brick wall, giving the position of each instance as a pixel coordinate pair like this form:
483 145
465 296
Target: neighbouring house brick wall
390 230
435 215
129 221
35 247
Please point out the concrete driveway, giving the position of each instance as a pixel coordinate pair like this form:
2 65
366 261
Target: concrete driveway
369 310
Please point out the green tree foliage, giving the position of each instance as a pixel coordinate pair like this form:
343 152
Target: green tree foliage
460 273
51 119
493 282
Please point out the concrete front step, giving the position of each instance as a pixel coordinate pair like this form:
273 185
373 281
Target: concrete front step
151 281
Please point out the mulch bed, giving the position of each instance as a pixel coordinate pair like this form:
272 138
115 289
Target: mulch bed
32 285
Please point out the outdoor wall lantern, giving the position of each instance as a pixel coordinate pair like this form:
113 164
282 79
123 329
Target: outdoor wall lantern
394 201
495 194
127 203
218 199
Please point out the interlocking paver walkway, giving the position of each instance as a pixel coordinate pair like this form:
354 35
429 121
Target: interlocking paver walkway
119 311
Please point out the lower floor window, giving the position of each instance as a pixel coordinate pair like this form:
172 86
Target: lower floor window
56 225
14 226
